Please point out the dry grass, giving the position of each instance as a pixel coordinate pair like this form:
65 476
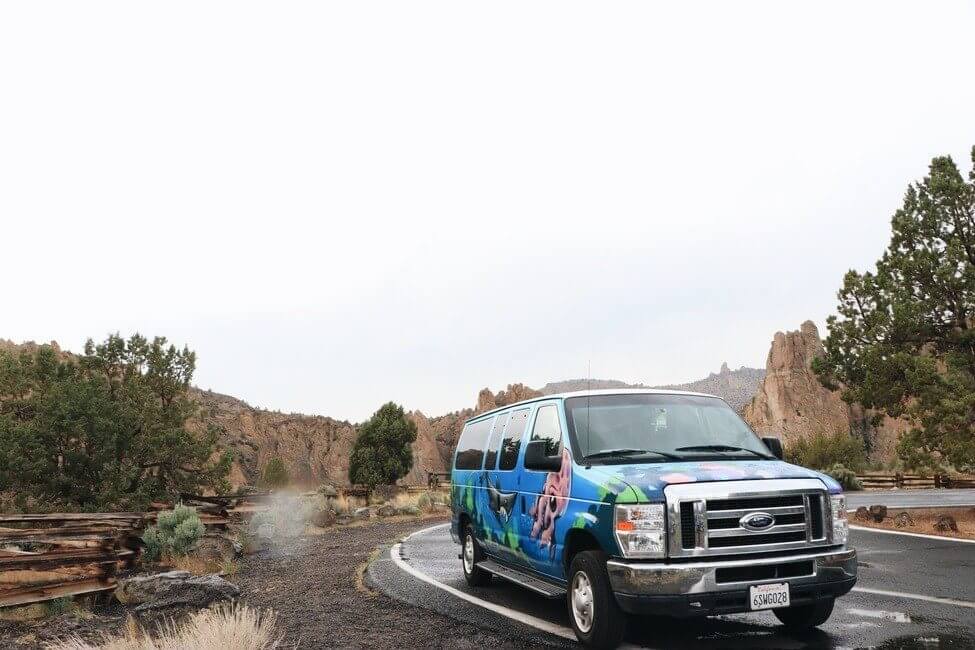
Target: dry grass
228 626
341 505
196 565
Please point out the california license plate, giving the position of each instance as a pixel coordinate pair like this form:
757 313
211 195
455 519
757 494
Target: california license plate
769 596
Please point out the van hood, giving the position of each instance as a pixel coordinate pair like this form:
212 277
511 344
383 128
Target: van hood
640 482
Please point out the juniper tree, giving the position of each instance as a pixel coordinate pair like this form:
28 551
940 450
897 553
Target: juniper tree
904 339
107 429
383 452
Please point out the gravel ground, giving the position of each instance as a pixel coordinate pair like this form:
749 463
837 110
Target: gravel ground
314 585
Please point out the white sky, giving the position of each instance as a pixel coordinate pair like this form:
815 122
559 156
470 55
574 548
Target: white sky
339 204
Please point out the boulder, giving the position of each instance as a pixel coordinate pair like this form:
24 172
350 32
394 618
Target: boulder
903 520
862 514
878 513
174 589
408 510
386 510
218 548
328 491
946 523
323 518
361 513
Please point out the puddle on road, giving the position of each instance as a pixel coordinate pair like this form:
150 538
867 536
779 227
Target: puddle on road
939 642
896 617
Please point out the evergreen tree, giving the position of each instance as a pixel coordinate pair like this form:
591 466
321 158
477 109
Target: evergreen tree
383 451
904 340
104 430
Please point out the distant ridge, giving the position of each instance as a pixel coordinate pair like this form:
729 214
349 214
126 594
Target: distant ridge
737 387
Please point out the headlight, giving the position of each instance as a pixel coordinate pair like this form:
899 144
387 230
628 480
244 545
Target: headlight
841 527
640 530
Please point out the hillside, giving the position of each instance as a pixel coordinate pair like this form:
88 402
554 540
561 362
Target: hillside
737 387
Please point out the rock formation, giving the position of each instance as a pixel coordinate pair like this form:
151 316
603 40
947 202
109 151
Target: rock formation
791 402
733 386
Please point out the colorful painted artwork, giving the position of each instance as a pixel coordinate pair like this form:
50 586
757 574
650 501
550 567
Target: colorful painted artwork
552 503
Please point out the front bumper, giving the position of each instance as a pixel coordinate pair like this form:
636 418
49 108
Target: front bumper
721 587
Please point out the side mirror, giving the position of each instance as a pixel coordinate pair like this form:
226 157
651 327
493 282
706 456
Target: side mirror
537 457
775 446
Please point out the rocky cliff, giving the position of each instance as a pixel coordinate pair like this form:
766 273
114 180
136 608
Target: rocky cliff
791 402
736 387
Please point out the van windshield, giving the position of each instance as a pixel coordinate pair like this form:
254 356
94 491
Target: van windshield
661 427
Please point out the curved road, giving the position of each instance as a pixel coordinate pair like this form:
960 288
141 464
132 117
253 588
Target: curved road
913 592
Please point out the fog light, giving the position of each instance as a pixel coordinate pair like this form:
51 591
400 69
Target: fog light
640 530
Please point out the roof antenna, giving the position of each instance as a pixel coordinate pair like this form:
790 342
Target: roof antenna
588 401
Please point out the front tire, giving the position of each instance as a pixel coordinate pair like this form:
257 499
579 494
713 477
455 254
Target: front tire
805 617
595 615
471 554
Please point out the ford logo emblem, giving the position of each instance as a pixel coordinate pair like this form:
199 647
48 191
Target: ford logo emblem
757 521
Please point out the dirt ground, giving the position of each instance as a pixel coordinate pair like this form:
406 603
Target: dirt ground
924 520
314 585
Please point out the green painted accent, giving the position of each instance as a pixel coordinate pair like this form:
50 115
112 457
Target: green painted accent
580 521
631 495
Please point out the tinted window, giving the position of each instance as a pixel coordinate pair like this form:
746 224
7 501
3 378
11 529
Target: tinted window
662 422
491 458
470 447
512 439
547 428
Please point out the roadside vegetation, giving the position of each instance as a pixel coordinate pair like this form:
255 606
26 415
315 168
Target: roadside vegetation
903 342
225 626
383 452
106 430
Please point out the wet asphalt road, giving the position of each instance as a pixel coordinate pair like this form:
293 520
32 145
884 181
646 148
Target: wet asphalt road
909 566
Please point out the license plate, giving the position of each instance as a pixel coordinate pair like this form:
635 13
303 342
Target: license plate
769 596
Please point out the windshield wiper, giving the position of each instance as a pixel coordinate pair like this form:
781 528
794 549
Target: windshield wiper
725 448
607 453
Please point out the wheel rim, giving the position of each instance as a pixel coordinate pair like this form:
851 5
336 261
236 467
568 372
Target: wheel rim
468 554
582 604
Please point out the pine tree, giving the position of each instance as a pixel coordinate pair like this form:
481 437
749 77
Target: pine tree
383 451
904 340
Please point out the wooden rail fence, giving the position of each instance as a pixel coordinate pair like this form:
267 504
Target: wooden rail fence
883 480
48 556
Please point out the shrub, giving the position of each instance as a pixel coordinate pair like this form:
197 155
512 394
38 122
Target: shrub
275 474
845 477
59 605
822 450
225 626
383 451
175 533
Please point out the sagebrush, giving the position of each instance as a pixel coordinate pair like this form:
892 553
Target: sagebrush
824 450
175 533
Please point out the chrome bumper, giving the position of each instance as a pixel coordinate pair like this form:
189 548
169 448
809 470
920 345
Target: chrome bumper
640 578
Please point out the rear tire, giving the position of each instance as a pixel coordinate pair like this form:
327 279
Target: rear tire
805 617
470 555
595 615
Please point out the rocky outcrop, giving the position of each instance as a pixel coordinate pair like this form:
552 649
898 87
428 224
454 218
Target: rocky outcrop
175 589
791 402
736 387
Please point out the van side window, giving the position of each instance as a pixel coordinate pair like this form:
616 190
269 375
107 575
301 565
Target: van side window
491 458
547 428
511 443
470 447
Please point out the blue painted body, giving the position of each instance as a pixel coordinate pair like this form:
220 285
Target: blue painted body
524 517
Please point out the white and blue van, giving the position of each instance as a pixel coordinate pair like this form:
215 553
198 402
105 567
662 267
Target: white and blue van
630 502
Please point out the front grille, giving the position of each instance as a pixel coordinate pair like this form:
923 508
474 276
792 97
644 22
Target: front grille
764 572
710 518
687 524
756 540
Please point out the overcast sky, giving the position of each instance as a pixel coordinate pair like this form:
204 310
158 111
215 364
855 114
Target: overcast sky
340 204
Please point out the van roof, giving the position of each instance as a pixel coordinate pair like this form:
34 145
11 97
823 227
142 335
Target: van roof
592 393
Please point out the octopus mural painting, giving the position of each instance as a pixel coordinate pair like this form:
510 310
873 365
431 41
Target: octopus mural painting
551 504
